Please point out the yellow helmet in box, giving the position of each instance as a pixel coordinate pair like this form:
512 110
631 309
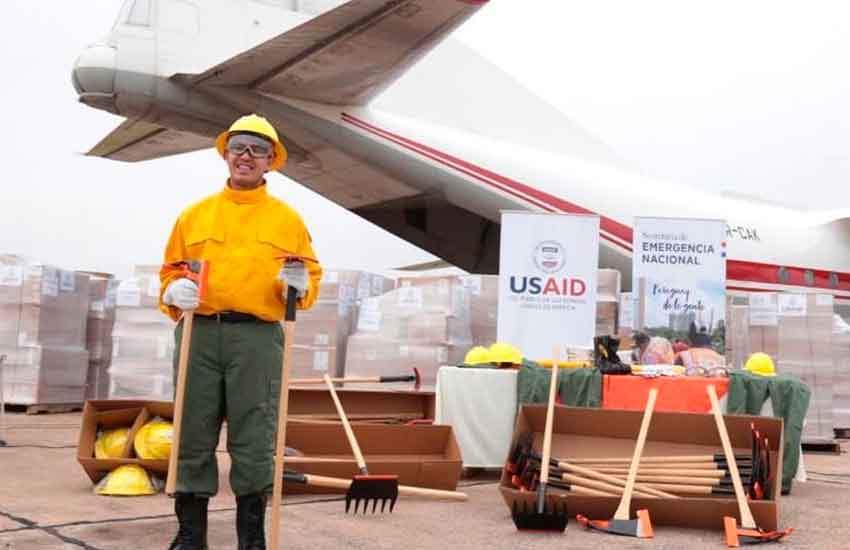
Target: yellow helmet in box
761 364
129 480
153 440
111 443
477 356
500 352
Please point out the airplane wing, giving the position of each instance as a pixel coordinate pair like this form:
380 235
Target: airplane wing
345 56
137 140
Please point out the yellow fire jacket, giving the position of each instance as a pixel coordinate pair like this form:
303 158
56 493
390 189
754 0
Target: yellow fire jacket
240 233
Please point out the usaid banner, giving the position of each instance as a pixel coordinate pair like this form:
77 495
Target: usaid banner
679 275
547 281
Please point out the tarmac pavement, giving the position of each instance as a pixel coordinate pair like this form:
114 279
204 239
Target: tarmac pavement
46 502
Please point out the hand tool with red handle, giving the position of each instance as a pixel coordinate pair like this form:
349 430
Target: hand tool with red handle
621 524
748 532
198 272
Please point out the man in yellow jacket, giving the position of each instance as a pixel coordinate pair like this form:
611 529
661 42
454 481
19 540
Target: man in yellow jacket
237 340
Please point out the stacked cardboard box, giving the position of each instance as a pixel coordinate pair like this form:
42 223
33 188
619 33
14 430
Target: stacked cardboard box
43 332
100 323
323 330
738 347
425 323
841 382
142 340
483 307
805 350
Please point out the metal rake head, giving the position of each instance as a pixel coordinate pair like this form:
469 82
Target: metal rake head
372 488
552 518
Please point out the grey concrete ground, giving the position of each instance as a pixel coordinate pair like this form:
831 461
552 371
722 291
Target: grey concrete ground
46 502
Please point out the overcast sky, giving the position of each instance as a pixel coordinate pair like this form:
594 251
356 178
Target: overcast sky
726 95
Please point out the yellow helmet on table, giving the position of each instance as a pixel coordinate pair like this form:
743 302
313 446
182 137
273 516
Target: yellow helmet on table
761 364
477 356
501 352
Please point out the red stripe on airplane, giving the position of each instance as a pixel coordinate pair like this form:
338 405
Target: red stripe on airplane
739 270
541 199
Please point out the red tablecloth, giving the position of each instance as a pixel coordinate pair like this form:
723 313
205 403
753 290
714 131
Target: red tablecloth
679 394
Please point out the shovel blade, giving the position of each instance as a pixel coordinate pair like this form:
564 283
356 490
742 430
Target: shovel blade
372 489
552 518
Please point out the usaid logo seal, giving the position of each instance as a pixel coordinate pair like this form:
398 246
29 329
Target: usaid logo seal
548 256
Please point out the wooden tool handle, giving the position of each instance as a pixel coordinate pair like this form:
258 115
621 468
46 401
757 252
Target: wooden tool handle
610 488
406 490
579 490
619 481
351 380
713 474
623 509
282 416
644 460
547 431
179 395
349 433
747 520
677 480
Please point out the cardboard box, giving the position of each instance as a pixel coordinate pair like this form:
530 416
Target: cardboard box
427 456
581 432
42 375
358 400
116 414
423 456
373 355
606 318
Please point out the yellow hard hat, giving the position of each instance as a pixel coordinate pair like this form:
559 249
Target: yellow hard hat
477 356
501 352
111 443
761 364
128 480
255 124
153 440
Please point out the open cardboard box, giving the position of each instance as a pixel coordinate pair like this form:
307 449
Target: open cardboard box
360 399
591 433
424 456
117 414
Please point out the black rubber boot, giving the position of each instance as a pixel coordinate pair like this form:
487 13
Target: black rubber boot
191 512
250 521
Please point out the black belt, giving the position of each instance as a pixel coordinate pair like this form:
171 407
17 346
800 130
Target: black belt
232 317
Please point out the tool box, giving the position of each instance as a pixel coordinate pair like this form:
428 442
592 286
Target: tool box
586 433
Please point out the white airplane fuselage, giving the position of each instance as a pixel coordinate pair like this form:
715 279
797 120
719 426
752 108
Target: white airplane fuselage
137 73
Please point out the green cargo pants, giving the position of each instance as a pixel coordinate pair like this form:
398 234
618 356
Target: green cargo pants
233 374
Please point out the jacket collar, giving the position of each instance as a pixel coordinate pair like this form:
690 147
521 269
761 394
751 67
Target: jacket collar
252 196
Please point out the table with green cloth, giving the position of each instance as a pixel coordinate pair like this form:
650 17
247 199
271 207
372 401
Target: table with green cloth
748 394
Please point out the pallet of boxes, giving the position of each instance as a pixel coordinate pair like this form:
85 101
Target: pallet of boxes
423 323
142 340
43 334
796 330
99 325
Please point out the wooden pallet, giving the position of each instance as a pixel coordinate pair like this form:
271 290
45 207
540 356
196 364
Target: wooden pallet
832 447
45 408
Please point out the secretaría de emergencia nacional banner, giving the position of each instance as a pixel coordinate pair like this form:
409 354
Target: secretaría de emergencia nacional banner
679 279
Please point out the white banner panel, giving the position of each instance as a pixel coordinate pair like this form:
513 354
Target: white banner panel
679 269
547 281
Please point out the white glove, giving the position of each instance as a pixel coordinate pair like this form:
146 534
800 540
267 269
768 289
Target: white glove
182 294
295 274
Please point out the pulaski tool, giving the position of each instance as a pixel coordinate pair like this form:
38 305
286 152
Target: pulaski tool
198 272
